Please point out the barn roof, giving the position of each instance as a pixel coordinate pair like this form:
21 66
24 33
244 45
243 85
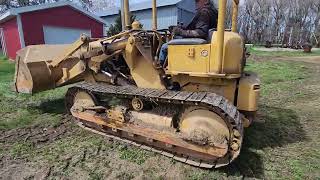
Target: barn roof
138 6
16 11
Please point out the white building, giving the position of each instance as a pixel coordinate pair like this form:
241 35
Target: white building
170 12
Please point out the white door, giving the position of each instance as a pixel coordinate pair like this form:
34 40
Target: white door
63 35
3 48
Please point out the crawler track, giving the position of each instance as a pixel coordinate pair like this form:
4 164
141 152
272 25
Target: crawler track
165 144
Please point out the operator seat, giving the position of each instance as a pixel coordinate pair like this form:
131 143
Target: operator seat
192 41
211 31
187 41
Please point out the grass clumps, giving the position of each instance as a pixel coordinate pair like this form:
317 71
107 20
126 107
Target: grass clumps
133 154
21 149
22 110
278 76
290 53
278 71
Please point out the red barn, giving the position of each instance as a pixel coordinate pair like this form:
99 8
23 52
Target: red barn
53 23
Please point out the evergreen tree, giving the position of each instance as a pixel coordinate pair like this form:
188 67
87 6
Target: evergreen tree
116 28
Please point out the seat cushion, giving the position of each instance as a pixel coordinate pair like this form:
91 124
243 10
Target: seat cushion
187 41
211 31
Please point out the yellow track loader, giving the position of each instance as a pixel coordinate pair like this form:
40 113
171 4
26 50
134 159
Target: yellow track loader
193 110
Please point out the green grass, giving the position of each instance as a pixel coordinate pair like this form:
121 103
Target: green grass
280 142
298 53
278 75
275 72
21 110
21 149
134 155
6 69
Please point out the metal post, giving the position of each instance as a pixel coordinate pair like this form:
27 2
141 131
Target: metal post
235 15
220 34
126 13
123 24
154 15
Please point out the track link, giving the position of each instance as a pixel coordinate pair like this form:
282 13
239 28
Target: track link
212 101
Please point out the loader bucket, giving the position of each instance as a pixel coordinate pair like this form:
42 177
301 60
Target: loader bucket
32 71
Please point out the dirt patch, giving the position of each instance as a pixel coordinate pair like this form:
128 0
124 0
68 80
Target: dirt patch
17 143
36 134
275 49
20 171
307 59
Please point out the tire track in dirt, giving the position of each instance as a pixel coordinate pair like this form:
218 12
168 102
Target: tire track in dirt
36 134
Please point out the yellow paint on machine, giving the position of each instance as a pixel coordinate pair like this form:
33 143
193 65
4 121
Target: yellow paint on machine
249 91
201 59
189 58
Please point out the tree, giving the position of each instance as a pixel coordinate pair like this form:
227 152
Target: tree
290 22
102 5
316 23
89 5
116 28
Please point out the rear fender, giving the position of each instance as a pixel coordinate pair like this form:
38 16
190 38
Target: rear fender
248 92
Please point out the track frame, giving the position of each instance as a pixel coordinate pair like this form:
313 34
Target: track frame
162 143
